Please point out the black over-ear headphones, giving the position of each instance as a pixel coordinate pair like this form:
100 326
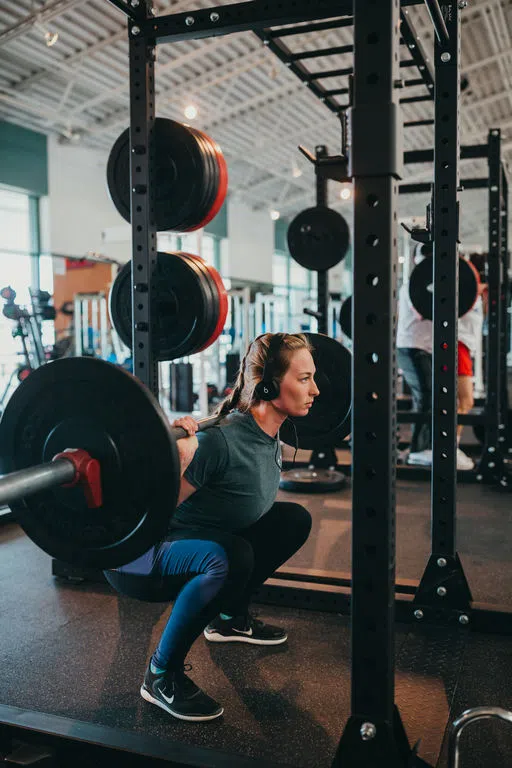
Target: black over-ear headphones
268 387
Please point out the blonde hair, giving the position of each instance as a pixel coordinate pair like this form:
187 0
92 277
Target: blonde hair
251 369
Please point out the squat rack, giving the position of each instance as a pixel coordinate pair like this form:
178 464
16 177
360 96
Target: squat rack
491 468
374 733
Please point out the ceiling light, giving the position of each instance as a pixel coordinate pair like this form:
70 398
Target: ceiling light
275 215
190 112
345 193
51 38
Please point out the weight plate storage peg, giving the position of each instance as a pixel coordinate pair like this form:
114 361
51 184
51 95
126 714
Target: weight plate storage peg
86 403
318 238
328 420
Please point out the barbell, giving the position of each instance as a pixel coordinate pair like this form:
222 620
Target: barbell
89 461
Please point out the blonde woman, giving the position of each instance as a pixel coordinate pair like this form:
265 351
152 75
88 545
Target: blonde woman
228 534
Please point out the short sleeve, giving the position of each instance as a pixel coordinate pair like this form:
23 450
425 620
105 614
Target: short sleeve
210 460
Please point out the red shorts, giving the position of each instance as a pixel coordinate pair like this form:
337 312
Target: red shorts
465 367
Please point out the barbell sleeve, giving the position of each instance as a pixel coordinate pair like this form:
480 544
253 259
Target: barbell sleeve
202 424
71 467
26 482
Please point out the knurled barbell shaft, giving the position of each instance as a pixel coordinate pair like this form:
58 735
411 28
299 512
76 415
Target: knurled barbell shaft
42 477
26 482
179 432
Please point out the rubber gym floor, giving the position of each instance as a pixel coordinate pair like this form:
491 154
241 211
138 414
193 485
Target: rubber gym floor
78 651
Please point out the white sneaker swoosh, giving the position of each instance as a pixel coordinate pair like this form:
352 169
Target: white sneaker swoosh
169 701
243 631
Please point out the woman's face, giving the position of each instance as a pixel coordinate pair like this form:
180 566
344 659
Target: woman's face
298 389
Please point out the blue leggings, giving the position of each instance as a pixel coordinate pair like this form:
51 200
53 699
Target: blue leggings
208 571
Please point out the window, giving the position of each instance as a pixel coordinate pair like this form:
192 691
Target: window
19 268
15 243
208 249
298 285
280 266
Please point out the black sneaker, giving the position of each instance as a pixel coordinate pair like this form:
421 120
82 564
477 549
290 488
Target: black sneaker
244 629
179 695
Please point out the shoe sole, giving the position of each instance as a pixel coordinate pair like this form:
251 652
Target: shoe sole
215 637
191 718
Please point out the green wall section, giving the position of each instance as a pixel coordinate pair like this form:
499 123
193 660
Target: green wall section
23 159
280 230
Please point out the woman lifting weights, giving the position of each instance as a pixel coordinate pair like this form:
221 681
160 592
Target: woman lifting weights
228 534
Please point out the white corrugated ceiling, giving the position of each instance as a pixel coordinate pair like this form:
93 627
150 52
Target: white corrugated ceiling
247 99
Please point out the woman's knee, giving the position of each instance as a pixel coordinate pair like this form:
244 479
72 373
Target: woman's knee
298 520
240 558
215 562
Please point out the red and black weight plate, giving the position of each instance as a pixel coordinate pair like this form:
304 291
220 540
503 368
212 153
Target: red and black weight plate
318 238
223 183
328 420
182 306
421 287
88 403
212 301
210 185
223 302
345 318
222 187
178 176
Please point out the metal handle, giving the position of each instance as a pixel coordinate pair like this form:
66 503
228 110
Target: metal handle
469 716
26 482
211 421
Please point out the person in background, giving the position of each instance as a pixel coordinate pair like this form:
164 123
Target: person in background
414 357
470 331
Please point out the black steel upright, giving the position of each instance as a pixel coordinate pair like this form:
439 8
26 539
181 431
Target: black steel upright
504 438
374 735
322 275
142 118
491 464
443 586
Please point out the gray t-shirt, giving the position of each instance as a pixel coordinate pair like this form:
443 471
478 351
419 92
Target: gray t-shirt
236 470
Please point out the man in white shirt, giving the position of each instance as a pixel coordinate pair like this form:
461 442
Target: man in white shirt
470 330
414 357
